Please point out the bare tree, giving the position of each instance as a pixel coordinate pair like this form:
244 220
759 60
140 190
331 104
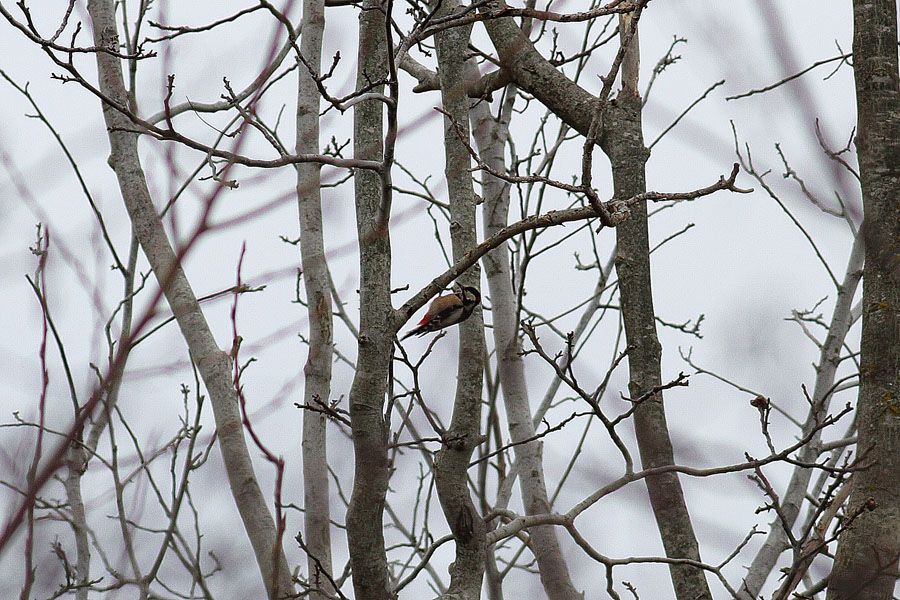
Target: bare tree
214 365
451 463
368 559
318 370
628 157
868 553
406 446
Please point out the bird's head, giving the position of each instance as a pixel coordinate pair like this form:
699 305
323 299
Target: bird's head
470 296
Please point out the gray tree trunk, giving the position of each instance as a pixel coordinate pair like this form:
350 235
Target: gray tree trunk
621 139
365 515
214 364
317 372
866 562
544 544
533 73
452 462
625 147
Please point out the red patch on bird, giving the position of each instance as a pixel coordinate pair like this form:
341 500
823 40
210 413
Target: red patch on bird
424 320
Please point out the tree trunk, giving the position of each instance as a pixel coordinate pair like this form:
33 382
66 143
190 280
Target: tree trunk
317 372
452 462
865 566
621 139
529 70
625 147
529 456
365 515
214 364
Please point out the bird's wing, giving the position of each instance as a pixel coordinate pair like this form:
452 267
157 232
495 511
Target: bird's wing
441 306
451 316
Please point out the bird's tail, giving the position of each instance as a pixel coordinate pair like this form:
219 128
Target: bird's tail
415 331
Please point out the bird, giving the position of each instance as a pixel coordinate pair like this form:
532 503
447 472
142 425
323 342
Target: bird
448 310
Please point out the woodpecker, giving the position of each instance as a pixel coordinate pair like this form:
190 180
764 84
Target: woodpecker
448 310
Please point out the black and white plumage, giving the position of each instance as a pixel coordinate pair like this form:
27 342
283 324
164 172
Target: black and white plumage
448 310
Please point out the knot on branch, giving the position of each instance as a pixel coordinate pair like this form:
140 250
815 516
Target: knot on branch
618 212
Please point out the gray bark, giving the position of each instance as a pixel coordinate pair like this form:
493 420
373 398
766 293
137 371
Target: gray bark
866 562
529 456
529 70
628 156
452 462
317 372
365 514
214 364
